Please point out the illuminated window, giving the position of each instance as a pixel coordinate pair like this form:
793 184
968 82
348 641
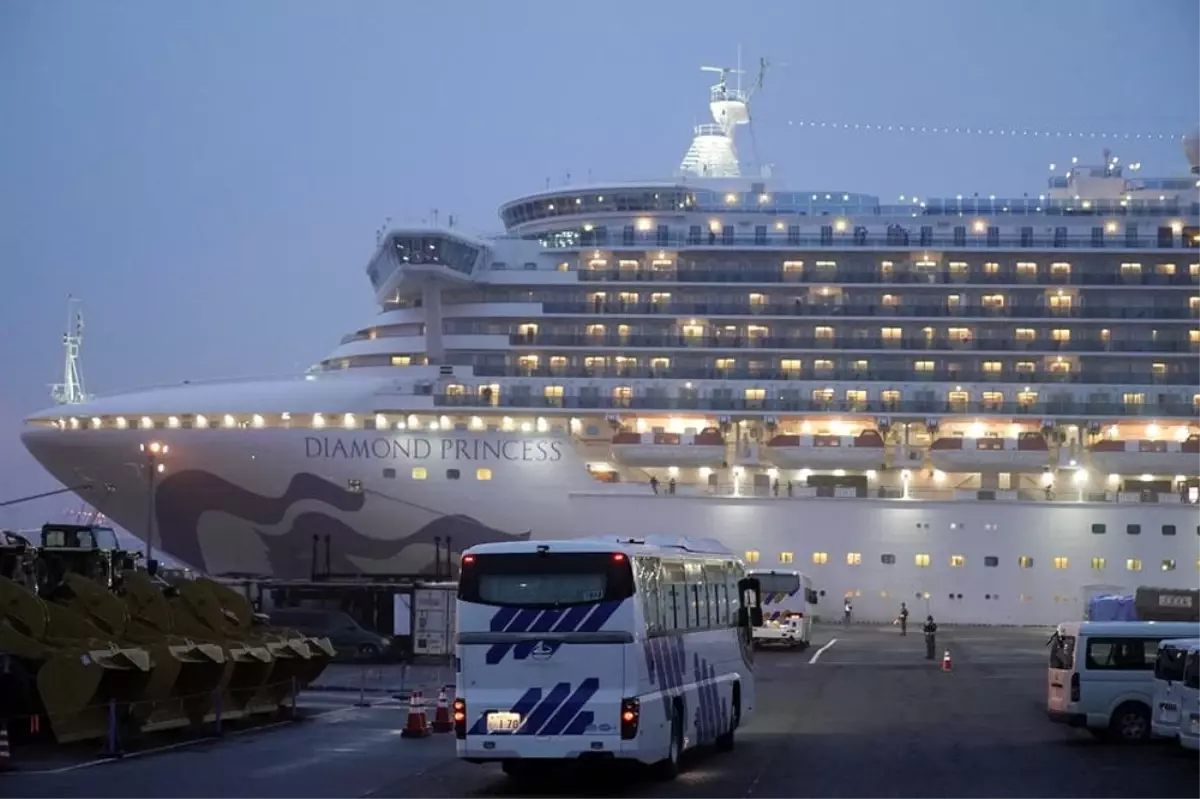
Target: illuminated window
959 333
622 395
993 400
957 561
787 557
483 473
1026 334
789 365
820 558
1027 398
891 333
1060 563
401 360
528 361
1060 269
1158 369
1099 563
1164 269
1061 334
1025 562
822 365
921 560
861 365
856 396
1026 269
890 300
991 268
993 300
419 473
725 363
1168 565
1133 398
822 395
853 558
958 268
924 366
1131 269
752 556
992 367
823 333
756 394
553 393
1133 564
890 396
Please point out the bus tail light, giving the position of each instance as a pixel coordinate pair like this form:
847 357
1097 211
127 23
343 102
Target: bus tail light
630 714
460 718
1075 687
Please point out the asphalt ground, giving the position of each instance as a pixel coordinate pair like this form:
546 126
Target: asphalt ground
867 716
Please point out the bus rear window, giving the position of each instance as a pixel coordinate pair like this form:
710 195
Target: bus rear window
1062 652
1169 665
552 580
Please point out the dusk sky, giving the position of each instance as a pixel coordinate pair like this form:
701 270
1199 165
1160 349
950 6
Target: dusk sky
208 176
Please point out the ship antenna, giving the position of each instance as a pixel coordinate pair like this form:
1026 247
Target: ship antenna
70 391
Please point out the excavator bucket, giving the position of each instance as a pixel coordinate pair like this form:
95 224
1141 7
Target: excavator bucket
78 669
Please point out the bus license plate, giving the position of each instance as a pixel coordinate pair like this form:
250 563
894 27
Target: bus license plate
503 722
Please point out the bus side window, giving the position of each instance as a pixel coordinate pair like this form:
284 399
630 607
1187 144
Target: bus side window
648 585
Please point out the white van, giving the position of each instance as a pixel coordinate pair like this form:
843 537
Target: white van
1189 701
1168 685
1101 674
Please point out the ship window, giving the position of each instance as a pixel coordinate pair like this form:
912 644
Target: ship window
752 556
887 559
483 473
991 561
1060 563
1099 563
453 474
820 558
1133 529
389 474
1025 562
1168 529
787 557
853 558
921 560
419 473
1133 565
957 561
1168 565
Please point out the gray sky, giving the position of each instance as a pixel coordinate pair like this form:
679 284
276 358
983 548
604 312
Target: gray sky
208 176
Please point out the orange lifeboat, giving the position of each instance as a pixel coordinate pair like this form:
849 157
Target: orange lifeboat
864 451
705 448
1143 456
1028 452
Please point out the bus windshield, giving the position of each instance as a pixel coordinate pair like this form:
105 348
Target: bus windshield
550 580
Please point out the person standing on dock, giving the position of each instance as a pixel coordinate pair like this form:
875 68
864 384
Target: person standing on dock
903 619
930 630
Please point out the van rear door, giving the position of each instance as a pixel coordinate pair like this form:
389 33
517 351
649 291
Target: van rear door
1062 678
542 642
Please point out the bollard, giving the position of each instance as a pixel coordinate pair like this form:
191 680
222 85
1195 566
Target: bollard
362 687
113 743
217 713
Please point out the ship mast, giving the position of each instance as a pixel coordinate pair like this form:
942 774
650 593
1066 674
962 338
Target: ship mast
713 154
70 391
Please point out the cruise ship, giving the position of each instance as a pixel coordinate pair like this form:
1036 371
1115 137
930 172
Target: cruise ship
984 407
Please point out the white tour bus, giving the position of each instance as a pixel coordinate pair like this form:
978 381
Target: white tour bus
789 603
602 648
1168 685
1101 674
1189 701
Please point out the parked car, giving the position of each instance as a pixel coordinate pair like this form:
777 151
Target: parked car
350 639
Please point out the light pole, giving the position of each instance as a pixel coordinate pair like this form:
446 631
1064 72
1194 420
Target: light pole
153 451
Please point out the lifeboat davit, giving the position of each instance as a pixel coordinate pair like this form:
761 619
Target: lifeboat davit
1028 452
1143 456
862 452
706 448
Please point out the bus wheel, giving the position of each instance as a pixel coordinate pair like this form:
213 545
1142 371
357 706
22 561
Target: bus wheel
668 769
725 742
1131 723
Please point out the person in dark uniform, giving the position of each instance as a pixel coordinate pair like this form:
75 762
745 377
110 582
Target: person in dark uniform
903 619
930 630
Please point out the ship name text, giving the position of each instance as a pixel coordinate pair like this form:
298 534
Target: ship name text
415 448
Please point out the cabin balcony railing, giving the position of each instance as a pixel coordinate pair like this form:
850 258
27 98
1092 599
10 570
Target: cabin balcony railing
748 274
897 375
844 343
908 407
725 307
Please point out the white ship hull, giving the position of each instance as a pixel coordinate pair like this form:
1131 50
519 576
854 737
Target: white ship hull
250 501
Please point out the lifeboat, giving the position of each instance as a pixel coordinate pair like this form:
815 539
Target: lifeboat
706 448
1142 456
864 451
1028 452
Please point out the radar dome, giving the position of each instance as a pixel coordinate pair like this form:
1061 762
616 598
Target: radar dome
1191 149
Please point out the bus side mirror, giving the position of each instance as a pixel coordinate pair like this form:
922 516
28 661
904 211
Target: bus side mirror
756 617
750 614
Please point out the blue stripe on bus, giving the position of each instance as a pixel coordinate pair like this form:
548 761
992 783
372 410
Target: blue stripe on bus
547 620
559 721
580 724
540 714
581 618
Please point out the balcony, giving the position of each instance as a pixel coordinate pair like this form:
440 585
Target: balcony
874 407
684 274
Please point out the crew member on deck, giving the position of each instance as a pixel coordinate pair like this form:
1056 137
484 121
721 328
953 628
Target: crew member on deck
930 630
903 619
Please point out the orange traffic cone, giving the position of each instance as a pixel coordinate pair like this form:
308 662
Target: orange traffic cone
417 725
946 664
441 716
5 754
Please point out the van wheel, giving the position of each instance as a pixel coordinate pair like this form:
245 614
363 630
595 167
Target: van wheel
724 742
1130 723
668 768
